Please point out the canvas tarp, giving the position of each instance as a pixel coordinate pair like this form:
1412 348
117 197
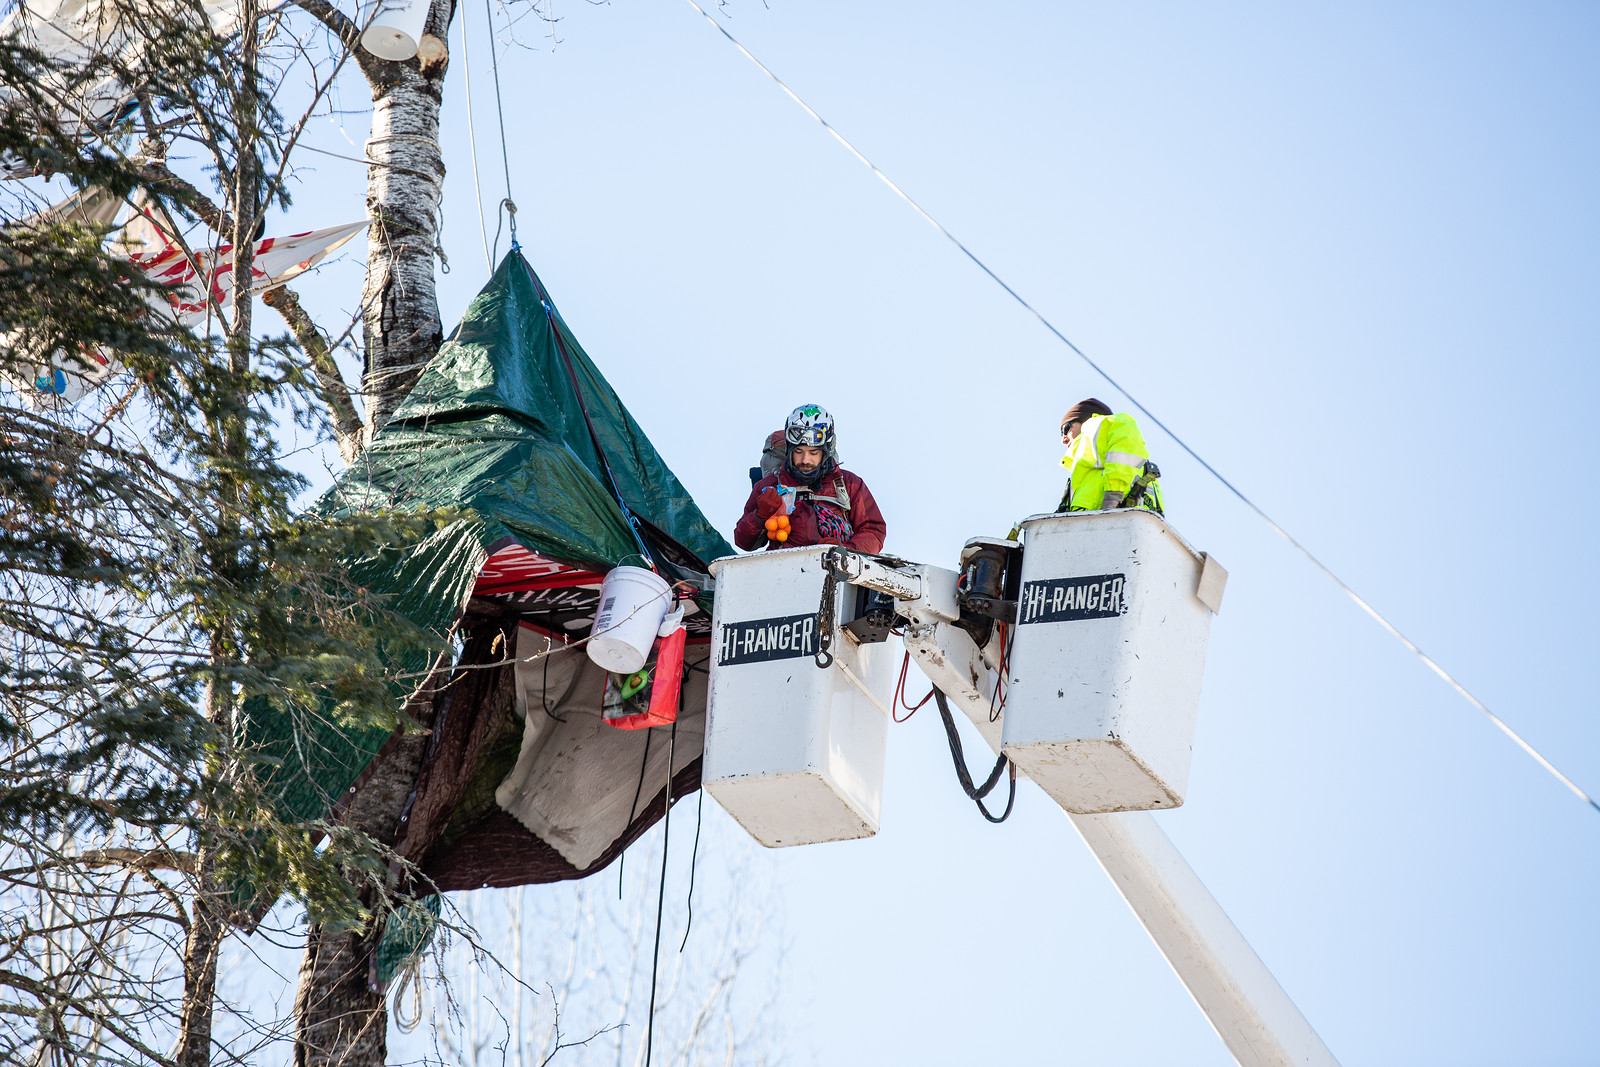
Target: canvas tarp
495 426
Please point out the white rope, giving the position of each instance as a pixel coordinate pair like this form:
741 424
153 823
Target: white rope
674 588
1377 616
472 140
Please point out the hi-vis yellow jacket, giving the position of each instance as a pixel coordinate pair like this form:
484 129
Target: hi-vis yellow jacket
1107 456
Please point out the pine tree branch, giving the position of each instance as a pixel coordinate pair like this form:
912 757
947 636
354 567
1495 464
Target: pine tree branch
346 423
157 174
160 859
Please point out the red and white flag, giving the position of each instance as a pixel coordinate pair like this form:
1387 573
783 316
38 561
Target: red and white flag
199 280
202 279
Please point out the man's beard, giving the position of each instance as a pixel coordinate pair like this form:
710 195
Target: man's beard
811 477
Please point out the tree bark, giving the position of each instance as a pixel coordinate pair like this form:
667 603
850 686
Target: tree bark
207 921
339 1018
204 944
404 185
347 430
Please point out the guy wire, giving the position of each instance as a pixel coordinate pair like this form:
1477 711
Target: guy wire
505 158
1360 602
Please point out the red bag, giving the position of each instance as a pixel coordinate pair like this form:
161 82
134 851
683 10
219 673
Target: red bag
665 687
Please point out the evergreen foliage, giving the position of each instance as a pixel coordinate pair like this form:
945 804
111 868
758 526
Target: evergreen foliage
154 578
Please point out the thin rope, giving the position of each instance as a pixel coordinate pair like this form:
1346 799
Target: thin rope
1361 602
472 139
505 157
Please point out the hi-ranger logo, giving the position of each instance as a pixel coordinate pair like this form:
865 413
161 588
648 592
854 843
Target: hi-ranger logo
1099 596
760 640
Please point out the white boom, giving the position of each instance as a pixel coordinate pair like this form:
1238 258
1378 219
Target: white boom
1256 1019
1251 1012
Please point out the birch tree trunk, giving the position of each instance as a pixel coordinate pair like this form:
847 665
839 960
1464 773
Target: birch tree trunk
340 1018
405 180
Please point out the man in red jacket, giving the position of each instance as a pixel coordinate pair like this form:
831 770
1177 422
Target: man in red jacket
824 503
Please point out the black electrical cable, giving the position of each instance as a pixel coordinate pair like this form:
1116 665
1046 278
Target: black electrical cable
699 814
633 809
694 856
583 408
1007 643
661 897
544 692
960 758
977 794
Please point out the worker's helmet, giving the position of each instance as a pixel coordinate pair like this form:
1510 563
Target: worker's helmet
810 425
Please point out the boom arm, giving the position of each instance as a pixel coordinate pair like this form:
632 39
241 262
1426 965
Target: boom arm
1256 1019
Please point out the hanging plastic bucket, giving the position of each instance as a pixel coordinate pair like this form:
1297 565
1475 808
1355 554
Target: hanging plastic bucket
633 601
394 28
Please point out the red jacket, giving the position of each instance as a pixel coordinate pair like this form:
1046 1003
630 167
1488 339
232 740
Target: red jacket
823 521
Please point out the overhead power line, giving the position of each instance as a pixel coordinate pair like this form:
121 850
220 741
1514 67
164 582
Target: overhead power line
1360 601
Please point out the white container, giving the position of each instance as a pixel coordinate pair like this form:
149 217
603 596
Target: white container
1107 659
395 28
793 751
633 601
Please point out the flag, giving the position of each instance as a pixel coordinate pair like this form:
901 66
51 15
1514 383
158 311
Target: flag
61 380
202 278
197 281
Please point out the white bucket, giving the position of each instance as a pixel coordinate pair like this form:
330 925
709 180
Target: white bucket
633 601
395 29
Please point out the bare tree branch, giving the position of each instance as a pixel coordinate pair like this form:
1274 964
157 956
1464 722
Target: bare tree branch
186 195
342 25
346 422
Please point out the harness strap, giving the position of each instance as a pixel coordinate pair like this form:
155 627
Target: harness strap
841 495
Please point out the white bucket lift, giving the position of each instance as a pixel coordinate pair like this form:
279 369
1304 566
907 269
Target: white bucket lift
1113 615
794 752
1108 617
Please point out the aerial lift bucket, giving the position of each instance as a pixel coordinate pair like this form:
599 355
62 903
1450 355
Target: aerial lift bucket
794 752
1113 616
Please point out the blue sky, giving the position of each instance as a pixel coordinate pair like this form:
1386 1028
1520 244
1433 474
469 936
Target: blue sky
1350 254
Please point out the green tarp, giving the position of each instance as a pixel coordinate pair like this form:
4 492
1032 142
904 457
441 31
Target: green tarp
496 427
494 424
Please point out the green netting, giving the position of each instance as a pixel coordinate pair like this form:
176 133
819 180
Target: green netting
407 934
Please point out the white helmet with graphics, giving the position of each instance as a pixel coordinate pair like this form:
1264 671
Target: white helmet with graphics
810 424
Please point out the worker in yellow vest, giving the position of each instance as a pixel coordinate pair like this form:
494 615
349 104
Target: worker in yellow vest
1107 463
